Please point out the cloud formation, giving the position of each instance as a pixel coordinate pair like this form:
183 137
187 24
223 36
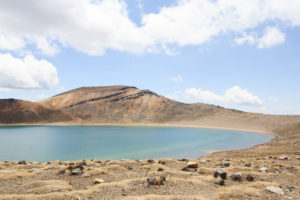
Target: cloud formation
234 95
27 73
93 27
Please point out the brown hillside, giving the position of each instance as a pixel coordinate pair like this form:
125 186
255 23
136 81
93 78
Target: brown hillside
126 104
18 111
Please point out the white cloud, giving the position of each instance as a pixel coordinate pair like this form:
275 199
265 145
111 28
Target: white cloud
95 26
272 37
177 79
27 73
234 95
273 99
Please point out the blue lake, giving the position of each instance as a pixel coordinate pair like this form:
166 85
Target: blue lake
46 143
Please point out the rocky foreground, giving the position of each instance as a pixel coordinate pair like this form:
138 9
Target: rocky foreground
269 171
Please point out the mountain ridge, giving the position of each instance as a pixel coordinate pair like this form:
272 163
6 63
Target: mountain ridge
130 105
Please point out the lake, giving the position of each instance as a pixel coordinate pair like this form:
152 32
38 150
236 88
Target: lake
46 143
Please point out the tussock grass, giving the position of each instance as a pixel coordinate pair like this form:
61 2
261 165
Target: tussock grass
47 186
167 197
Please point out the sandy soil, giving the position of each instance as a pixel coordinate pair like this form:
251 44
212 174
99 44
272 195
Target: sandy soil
167 178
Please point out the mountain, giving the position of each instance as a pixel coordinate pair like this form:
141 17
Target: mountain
18 111
125 104
130 105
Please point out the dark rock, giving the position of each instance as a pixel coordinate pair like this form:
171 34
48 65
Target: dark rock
183 159
221 173
162 162
23 162
48 163
160 169
129 168
250 177
150 161
236 177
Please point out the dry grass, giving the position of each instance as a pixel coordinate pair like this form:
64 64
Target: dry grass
47 186
153 167
16 173
205 171
167 197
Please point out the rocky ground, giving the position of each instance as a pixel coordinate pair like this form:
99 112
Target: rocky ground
269 171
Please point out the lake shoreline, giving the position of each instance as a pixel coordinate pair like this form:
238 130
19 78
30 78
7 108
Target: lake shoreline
129 179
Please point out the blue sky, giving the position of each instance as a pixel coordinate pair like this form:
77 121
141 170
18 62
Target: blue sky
238 54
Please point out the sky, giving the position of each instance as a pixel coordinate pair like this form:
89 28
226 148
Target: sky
239 54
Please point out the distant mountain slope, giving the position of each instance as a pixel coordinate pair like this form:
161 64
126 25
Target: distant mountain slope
19 111
126 104
129 105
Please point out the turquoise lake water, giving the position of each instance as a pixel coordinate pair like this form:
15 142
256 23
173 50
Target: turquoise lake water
46 143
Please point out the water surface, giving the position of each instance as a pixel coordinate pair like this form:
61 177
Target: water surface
46 143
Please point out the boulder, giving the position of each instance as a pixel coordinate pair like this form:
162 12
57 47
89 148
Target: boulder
192 164
276 190
236 177
221 173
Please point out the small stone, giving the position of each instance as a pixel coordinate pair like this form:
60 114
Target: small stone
48 163
263 169
283 158
276 190
250 177
23 162
160 169
129 168
161 162
98 180
236 177
192 165
248 165
221 173
219 181
150 161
